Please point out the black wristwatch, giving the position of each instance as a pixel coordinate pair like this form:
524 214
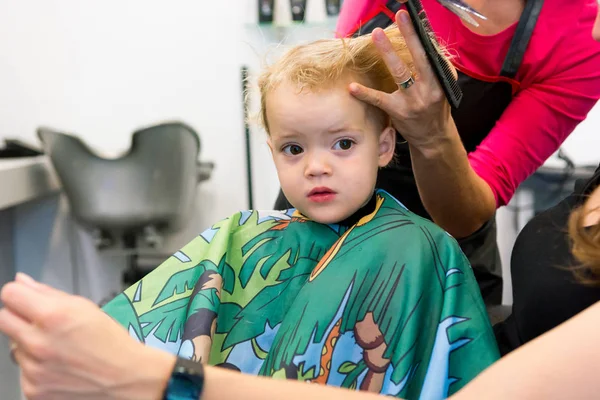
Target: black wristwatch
186 382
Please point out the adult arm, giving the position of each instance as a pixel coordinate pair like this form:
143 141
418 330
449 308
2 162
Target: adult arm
561 364
460 191
68 348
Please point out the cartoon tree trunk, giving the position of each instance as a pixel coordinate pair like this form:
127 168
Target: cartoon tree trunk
369 337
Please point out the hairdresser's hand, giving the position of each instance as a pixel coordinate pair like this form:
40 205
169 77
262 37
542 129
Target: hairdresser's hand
421 112
68 348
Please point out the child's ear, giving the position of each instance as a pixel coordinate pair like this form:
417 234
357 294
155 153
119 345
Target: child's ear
387 146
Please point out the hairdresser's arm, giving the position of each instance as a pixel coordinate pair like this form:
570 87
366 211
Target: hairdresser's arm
454 195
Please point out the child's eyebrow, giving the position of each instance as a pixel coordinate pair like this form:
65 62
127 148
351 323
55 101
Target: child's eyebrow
344 129
285 135
291 135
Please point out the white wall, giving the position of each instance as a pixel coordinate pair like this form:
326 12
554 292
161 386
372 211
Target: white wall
102 69
583 146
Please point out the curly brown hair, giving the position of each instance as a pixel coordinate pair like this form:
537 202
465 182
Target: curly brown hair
585 247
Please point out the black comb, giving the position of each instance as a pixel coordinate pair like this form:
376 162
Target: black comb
439 64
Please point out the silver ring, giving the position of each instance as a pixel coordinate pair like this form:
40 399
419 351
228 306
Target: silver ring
407 83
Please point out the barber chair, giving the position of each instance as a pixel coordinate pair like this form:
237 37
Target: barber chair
135 199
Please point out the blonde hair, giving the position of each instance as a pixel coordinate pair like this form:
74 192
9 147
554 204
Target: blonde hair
324 62
585 247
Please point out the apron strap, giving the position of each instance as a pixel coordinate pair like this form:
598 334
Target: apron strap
520 41
380 17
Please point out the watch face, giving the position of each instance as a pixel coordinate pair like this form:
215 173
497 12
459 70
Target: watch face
187 381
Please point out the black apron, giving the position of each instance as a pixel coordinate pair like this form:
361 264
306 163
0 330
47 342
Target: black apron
484 101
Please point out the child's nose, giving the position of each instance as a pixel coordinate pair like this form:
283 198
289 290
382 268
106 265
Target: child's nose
317 164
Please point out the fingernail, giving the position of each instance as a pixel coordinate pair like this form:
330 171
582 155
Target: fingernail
25 279
404 17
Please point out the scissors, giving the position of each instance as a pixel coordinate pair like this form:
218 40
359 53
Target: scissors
463 10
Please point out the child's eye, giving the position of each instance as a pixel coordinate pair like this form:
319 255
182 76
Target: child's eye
343 144
292 149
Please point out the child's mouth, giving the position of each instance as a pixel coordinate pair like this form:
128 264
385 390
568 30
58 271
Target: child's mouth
321 195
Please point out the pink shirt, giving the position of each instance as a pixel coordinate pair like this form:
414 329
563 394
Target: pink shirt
559 76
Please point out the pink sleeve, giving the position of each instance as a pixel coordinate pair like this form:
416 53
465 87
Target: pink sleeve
538 120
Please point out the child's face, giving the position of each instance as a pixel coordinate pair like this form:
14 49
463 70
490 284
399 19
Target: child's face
326 151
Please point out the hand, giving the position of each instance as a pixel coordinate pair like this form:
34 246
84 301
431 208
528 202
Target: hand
68 348
421 112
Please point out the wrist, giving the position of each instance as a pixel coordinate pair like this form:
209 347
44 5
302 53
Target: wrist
161 374
434 148
438 141
152 375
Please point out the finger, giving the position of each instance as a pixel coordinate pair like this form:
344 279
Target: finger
28 303
371 96
398 69
26 280
28 387
415 47
29 281
13 326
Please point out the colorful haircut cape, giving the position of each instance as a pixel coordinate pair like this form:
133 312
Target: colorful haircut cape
388 305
